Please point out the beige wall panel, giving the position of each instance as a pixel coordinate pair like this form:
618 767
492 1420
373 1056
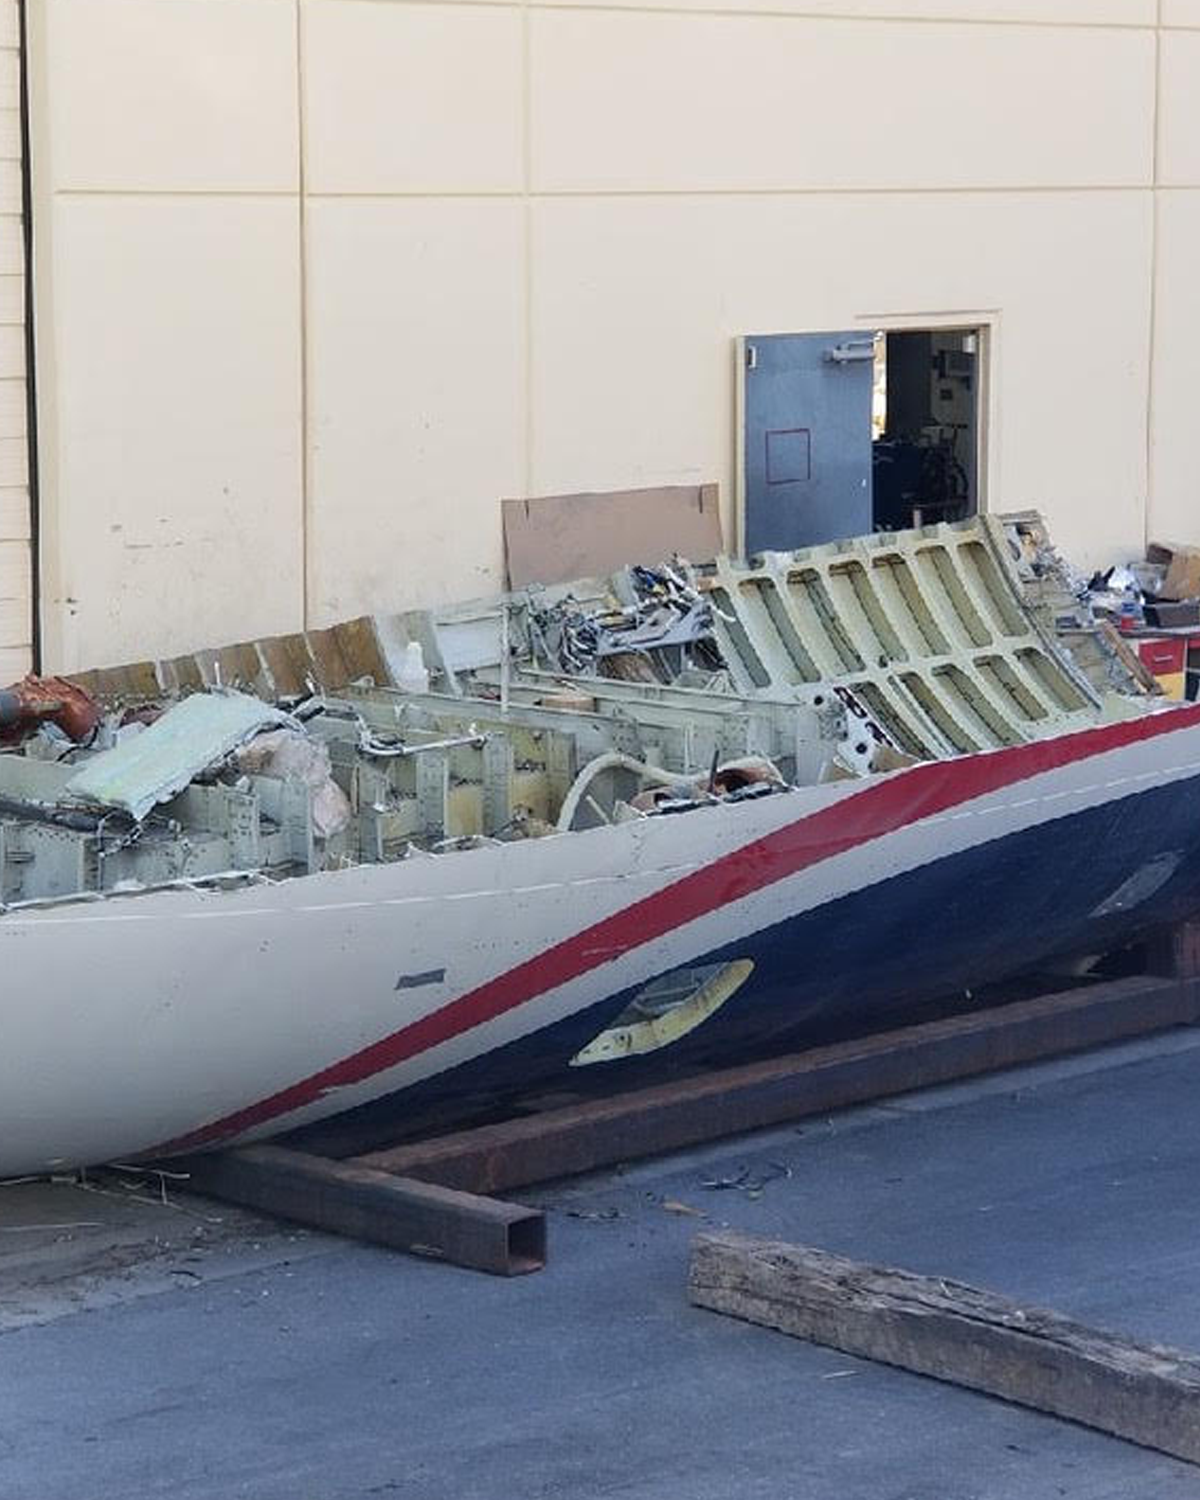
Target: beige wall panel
1180 12
10 79
172 94
12 247
14 621
416 398
1174 512
412 98
15 582
637 302
12 352
14 415
14 515
1067 12
15 661
10 135
16 590
171 504
14 461
1179 109
648 101
12 299
16 577
11 188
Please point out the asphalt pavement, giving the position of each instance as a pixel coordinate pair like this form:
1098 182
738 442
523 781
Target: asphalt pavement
154 1345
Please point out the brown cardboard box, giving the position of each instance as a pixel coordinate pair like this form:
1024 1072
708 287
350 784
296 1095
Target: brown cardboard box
1183 569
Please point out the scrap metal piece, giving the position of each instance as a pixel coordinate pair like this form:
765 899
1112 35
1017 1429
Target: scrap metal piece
929 629
463 1229
35 701
191 736
1058 598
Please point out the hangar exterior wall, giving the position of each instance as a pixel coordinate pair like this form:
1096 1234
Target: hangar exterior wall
318 282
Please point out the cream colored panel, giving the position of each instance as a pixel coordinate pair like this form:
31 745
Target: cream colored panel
14 461
14 572
1180 12
10 187
16 580
1174 513
411 98
16 609
172 400
648 101
12 352
12 246
416 399
15 661
1067 12
14 515
10 135
637 304
10 79
172 94
14 414
12 297
14 620
1179 109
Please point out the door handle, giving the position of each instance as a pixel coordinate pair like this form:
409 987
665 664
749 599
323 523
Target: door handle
852 352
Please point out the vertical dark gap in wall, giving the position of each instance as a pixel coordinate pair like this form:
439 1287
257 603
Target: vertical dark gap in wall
35 549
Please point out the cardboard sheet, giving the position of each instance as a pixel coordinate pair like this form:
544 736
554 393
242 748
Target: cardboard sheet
560 537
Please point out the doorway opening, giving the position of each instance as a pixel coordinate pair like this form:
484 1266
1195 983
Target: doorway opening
925 448
848 433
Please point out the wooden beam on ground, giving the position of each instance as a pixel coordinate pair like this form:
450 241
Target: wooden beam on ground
1143 1392
1176 951
648 1122
420 1217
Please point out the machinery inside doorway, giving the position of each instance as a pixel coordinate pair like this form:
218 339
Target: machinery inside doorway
924 454
853 432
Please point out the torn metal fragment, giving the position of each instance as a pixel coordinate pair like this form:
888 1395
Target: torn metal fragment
150 768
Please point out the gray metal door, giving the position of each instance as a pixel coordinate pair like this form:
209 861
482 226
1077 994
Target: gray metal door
807 439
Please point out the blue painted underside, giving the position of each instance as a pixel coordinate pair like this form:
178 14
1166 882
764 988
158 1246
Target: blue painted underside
964 921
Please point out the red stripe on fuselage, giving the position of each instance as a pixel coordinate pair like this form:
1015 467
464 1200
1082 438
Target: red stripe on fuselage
882 807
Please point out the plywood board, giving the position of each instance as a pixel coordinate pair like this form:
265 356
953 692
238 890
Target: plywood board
559 537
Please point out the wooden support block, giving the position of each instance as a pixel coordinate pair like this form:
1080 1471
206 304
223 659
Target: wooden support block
466 1230
1176 951
651 1121
1143 1392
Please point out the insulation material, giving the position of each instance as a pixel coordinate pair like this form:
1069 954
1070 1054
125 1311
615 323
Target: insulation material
152 767
289 753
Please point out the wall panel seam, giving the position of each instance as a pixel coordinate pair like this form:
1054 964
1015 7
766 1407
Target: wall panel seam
527 288
768 12
915 190
302 269
1152 310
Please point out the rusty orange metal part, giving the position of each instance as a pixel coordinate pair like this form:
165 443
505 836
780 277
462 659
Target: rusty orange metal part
34 701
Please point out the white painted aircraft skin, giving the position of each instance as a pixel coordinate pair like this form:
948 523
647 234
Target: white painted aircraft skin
138 1020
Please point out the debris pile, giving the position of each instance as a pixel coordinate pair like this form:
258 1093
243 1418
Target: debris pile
652 693
652 627
1154 605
